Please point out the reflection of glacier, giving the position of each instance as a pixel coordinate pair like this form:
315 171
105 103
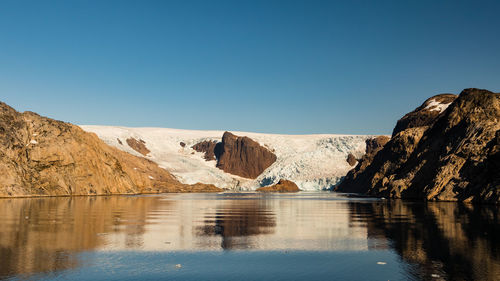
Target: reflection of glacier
312 161
453 241
309 221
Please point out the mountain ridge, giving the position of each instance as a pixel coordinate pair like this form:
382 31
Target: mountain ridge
40 156
454 156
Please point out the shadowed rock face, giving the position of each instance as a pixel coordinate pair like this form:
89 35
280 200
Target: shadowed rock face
281 186
40 156
454 157
138 145
207 147
243 156
355 180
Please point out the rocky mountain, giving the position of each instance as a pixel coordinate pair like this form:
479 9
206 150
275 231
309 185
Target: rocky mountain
454 155
40 156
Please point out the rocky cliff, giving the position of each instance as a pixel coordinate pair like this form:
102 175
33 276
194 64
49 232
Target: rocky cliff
237 155
454 156
40 156
243 156
355 180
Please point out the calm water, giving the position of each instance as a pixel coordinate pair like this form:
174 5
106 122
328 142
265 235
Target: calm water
246 236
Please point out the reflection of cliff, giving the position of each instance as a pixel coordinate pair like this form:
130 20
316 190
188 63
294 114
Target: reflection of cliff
456 242
236 222
42 235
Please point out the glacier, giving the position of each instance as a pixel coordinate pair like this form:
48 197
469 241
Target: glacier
313 162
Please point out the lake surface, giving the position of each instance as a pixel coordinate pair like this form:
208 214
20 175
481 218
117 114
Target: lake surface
246 236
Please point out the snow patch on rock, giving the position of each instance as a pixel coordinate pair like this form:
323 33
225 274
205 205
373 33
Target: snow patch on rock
434 105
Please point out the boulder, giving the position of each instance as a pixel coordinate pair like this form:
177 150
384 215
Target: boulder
281 186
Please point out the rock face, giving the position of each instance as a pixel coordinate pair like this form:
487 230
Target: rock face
236 155
138 145
207 147
281 186
454 157
351 182
375 144
40 156
243 156
351 159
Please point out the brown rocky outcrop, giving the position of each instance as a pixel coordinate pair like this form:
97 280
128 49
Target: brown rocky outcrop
40 156
207 147
243 156
236 155
375 144
455 157
138 145
281 186
351 159
201 187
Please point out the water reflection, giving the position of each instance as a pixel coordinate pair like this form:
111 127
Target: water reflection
236 221
43 235
435 240
442 240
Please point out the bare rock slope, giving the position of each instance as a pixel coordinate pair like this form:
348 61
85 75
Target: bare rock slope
40 156
454 156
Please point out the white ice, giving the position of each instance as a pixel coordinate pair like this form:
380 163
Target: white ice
314 162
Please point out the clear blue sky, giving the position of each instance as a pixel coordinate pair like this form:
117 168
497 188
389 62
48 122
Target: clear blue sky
266 66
